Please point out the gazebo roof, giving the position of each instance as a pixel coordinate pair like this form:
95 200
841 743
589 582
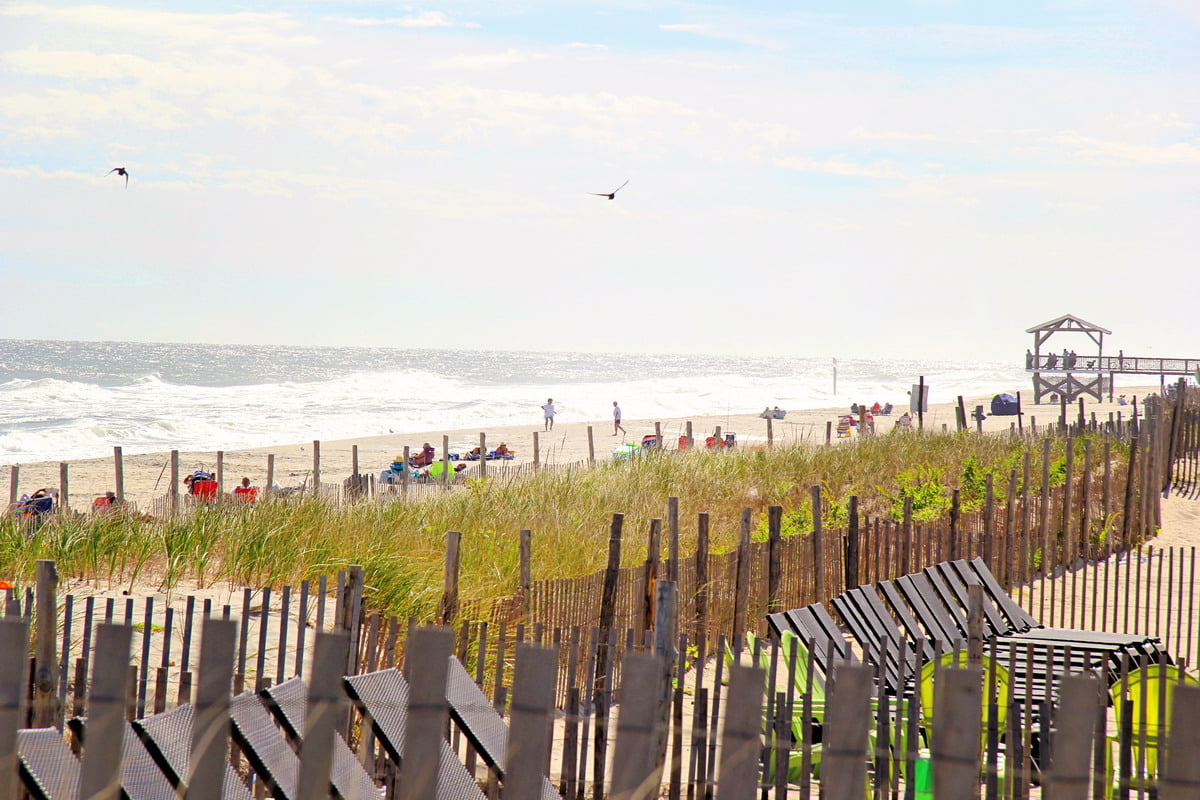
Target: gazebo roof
1068 322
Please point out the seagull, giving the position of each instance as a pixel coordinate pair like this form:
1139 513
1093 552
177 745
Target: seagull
120 171
610 195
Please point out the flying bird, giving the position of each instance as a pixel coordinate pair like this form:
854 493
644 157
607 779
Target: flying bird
613 194
120 171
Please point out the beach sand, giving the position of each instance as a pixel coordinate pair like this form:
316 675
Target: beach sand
147 476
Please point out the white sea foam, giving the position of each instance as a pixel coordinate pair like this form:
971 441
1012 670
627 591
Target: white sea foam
77 400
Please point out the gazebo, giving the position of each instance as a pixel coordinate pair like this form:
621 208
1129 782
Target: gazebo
1068 374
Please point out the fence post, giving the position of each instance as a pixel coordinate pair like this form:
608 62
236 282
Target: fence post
404 475
818 546
691 441
1129 481
1181 774
119 474
701 577
101 768
666 635
220 473
673 539
530 721
608 599
45 698
324 710
14 645
844 767
957 726
634 773
537 452
210 721
354 462
774 568
352 613
316 467
852 545
741 589
64 490
449 604
482 454
525 555
14 475
429 654
650 573
770 434
741 742
1069 776
270 487
591 446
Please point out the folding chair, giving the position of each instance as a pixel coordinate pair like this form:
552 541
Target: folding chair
382 697
288 703
49 769
141 777
167 738
479 722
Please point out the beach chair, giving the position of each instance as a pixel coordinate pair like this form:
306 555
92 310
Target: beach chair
813 625
1018 620
167 738
49 770
1146 693
205 491
480 723
264 746
288 703
382 697
141 777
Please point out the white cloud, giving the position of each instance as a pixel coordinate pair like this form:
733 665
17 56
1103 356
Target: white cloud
841 165
426 19
486 61
859 132
262 30
586 46
1091 149
723 34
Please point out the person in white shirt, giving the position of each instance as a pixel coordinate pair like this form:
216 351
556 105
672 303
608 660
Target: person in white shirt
617 419
549 411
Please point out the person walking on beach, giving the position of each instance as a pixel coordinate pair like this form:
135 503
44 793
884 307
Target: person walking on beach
617 419
549 411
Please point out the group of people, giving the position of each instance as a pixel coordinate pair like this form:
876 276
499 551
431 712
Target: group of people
202 485
548 413
878 410
1068 360
773 413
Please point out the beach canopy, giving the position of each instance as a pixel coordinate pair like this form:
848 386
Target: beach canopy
1005 405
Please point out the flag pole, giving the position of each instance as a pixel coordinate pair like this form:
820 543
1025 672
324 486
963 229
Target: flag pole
835 377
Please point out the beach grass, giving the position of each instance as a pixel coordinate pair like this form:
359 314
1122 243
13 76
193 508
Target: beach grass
401 544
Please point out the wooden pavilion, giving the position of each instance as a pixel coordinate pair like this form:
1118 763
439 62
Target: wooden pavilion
1067 374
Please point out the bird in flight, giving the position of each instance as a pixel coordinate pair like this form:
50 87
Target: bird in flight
613 194
120 171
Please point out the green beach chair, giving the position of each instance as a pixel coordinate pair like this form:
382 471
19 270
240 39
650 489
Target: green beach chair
1150 691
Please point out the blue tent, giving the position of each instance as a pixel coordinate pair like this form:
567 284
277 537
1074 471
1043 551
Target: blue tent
1005 405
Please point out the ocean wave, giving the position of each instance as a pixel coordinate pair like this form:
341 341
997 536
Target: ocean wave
84 401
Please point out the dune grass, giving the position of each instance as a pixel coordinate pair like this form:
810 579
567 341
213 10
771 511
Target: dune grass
401 544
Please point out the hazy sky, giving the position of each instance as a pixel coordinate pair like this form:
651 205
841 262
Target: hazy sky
839 178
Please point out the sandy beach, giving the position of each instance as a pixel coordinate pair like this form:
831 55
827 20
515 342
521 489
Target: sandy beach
147 476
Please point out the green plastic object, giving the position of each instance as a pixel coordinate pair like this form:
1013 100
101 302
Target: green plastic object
958 658
1150 690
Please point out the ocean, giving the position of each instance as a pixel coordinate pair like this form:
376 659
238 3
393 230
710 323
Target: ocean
62 401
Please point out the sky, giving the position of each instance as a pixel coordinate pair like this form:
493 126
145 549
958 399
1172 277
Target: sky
843 178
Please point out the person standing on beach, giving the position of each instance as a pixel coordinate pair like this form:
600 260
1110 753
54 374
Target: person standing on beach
617 419
549 411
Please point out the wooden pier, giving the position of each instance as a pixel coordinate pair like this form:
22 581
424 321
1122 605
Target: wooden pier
1071 375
